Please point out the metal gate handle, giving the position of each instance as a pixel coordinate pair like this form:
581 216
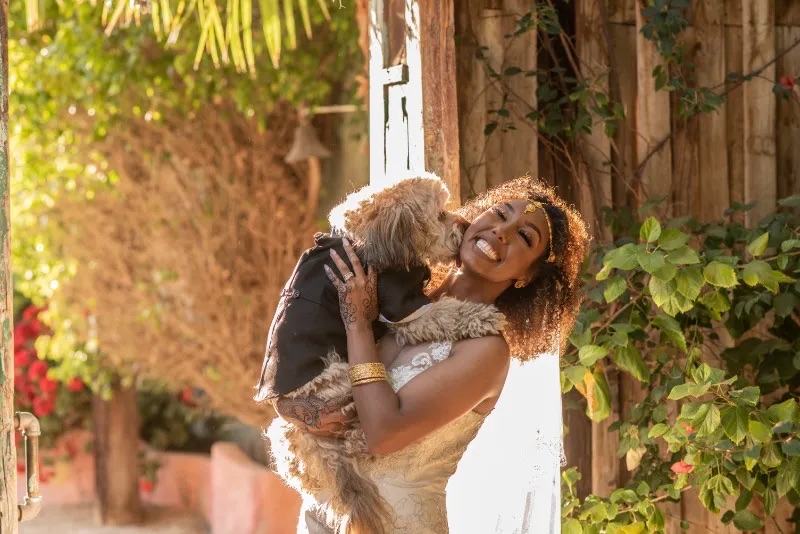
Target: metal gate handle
29 426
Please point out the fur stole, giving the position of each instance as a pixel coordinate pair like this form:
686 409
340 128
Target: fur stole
310 463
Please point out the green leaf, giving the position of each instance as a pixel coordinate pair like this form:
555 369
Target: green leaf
661 291
666 272
658 430
571 526
756 271
791 447
709 422
716 301
624 258
771 456
671 330
790 202
690 282
759 245
629 360
683 255
650 230
760 432
615 287
735 423
575 374
651 261
720 275
672 238
604 272
790 244
688 390
747 520
785 303
589 354
594 389
747 396
785 411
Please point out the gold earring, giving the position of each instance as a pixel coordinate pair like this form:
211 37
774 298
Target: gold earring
520 284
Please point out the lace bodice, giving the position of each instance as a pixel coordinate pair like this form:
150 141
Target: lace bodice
432 459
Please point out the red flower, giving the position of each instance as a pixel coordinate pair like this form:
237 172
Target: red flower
682 468
37 370
20 467
24 357
146 485
48 386
687 427
788 82
75 385
43 406
31 312
185 396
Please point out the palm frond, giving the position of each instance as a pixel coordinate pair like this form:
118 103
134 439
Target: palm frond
226 39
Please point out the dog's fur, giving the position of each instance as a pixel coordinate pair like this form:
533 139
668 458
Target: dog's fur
401 226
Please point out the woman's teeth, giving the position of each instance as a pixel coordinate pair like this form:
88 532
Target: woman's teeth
487 249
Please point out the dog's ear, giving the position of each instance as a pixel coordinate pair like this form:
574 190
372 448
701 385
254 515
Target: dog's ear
396 223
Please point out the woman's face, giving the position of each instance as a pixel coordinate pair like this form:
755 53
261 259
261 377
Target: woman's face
503 242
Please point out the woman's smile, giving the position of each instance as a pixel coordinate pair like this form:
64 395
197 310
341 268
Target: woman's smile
484 247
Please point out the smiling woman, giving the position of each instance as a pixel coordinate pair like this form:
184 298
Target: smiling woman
425 402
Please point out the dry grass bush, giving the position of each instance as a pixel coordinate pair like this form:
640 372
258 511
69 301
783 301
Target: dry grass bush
184 261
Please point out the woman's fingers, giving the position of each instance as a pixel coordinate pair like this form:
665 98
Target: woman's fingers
344 270
332 277
358 269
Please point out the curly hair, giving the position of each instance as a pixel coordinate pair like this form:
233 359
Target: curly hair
542 313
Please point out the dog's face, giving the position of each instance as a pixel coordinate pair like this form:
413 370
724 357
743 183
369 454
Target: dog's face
403 224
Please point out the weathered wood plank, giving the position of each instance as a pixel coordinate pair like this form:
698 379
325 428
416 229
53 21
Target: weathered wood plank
788 135
439 98
519 146
734 116
622 11
653 146
8 452
624 69
594 169
471 76
685 158
758 48
713 191
491 36
377 118
787 13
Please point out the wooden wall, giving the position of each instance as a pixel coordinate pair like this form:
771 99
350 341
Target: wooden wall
747 151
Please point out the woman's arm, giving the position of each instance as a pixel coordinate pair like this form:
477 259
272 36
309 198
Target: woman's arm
474 372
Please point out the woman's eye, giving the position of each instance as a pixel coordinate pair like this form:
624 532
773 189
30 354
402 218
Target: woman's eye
500 213
526 237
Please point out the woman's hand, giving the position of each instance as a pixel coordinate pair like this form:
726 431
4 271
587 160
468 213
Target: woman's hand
358 291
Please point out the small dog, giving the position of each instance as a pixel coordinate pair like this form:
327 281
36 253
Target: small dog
400 230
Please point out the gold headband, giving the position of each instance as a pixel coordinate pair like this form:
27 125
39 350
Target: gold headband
531 208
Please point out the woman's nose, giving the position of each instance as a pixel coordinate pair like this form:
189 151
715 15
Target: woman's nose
500 232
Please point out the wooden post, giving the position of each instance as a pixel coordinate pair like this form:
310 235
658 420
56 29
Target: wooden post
116 456
712 181
471 76
758 38
594 166
439 99
652 121
491 37
8 453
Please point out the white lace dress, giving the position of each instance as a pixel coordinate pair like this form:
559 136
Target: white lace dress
412 480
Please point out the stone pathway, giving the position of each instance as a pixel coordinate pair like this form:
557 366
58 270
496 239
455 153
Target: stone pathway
79 519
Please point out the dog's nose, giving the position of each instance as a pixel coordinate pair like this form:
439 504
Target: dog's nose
460 222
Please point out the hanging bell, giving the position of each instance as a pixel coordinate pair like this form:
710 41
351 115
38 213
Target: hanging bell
306 145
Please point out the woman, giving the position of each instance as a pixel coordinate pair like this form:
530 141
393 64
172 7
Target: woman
420 406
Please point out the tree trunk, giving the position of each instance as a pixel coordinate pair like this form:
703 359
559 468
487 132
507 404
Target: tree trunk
116 448
8 453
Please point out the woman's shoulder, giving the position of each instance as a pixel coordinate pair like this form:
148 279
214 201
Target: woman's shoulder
491 346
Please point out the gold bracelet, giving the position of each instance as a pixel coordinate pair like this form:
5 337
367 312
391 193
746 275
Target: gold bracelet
361 371
368 381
